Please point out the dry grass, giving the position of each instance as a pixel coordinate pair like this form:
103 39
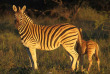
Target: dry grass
14 58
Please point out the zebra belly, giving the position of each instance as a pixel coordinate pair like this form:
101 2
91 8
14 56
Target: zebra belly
38 46
29 44
50 48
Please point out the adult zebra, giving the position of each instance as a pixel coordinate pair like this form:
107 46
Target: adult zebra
46 37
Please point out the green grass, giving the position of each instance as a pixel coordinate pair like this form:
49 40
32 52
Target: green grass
14 58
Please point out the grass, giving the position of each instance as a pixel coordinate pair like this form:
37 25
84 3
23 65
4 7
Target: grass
14 58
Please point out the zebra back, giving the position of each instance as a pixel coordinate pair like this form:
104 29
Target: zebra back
45 37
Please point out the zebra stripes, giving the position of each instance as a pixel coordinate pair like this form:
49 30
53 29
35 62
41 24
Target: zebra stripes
46 37
49 37
90 48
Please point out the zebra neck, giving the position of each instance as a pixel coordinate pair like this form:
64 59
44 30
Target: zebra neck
29 32
25 23
28 19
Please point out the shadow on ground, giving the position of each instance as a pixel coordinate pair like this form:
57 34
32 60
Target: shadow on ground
20 70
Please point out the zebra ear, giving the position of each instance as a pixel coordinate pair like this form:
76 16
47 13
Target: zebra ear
23 8
14 8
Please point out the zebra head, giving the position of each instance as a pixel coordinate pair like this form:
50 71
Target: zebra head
19 15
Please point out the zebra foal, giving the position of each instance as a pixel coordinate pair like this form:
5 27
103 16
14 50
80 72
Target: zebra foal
90 48
46 37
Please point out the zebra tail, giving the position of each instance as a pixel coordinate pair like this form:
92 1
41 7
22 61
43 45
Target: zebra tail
79 49
79 43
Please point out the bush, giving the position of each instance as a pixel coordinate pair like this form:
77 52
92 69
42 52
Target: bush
14 58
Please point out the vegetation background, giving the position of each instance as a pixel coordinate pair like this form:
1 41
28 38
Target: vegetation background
93 16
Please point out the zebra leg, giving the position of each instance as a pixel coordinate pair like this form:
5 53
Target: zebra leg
33 58
71 58
30 62
80 58
74 55
98 62
81 61
29 56
90 62
77 67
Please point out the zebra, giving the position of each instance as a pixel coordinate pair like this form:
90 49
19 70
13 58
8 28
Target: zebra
47 38
90 48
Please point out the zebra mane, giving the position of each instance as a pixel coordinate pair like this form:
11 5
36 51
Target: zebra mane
28 18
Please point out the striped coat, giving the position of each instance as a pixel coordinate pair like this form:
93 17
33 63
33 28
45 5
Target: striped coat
46 37
90 48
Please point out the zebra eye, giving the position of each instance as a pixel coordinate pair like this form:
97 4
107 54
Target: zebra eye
20 17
